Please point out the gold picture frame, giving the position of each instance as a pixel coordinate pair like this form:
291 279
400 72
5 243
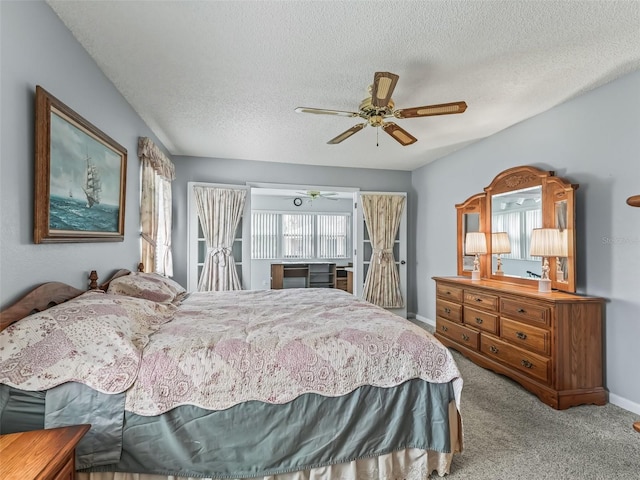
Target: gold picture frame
80 177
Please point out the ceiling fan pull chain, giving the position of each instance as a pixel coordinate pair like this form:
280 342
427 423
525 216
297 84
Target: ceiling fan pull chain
377 132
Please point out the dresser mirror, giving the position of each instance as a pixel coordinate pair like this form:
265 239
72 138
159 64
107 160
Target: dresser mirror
470 219
517 201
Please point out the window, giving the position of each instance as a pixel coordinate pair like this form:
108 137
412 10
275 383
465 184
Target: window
155 208
300 235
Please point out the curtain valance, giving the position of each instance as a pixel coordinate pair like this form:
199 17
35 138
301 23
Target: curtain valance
149 151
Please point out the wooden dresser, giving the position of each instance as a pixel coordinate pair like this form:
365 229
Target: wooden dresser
550 343
40 454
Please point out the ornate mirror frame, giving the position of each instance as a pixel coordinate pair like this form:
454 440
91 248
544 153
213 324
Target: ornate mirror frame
471 215
558 211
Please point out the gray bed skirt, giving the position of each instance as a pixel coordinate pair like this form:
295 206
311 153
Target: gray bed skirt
253 439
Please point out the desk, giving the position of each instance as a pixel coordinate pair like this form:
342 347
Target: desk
303 275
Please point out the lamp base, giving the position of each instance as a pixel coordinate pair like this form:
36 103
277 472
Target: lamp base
475 275
498 272
544 285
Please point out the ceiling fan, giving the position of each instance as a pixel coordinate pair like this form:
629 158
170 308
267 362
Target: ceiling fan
312 195
379 106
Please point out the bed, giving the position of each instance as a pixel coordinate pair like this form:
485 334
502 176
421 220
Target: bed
276 384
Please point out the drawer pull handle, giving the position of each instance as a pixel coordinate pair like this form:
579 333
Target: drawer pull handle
448 292
478 320
493 349
526 363
521 310
521 336
465 337
444 329
447 310
478 299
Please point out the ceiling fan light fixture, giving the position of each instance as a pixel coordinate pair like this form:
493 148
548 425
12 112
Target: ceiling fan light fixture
376 120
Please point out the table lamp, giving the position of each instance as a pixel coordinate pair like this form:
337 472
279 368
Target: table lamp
545 243
500 244
475 244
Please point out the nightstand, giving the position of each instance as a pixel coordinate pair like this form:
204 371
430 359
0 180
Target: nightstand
40 454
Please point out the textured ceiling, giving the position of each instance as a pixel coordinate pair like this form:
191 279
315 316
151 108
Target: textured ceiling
222 79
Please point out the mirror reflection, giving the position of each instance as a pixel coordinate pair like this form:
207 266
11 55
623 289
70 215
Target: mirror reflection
514 215
562 263
470 223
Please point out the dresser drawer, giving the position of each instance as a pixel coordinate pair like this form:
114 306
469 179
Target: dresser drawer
458 333
449 310
481 300
527 336
451 293
530 312
529 363
483 320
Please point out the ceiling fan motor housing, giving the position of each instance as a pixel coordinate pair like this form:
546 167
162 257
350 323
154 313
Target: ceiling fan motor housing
368 110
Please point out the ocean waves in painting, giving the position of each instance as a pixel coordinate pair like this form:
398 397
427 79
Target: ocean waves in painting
74 214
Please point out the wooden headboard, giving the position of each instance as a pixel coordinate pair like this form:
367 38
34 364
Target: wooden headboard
50 294
40 298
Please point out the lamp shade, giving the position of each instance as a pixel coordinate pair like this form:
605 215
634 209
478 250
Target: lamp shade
475 243
500 243
547 242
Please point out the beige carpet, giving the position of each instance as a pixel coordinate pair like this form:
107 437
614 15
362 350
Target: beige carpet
510 434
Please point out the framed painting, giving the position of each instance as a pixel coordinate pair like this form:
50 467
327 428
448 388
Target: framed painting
80 177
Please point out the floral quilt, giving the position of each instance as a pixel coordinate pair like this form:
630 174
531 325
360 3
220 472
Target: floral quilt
219 349
95 339
225 348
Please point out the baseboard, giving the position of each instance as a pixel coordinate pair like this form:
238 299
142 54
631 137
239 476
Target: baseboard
622 402
426 320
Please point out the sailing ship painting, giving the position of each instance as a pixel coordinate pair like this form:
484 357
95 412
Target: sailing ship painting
80 177
85 183
92 187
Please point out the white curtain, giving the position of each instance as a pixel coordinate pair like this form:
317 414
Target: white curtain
382 215
155 208
219 212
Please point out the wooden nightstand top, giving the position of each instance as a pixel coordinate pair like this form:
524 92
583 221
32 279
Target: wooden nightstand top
39 454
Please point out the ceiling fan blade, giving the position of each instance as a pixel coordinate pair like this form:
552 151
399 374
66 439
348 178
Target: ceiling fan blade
347 134
430 110
383 85
399 134
322 111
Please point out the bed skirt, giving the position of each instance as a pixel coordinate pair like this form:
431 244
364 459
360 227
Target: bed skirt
408 464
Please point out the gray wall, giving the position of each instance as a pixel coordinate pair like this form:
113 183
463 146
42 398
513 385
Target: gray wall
37 49
239 172
592 140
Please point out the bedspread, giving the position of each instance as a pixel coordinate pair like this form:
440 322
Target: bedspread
225 348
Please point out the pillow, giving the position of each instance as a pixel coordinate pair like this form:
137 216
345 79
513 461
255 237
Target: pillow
149 286
95 339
